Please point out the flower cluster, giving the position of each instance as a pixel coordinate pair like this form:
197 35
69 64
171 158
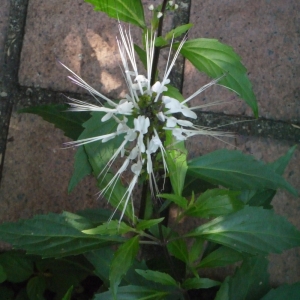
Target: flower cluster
150 109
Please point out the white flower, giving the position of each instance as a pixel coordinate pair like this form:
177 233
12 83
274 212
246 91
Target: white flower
159 15
151 7
143 116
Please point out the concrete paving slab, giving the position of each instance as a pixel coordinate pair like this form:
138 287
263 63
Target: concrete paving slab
37 170
81 38
266 36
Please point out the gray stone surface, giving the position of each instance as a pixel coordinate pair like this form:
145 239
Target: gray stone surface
4 13
81 38
37 170
266 36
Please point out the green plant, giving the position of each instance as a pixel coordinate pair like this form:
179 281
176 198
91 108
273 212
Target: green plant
147 130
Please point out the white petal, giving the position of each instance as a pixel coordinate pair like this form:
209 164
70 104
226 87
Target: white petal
149 164
172 104
131 135
141 144
125 108
178 134
188 113
156 86
137 167
153 146
133 153
106 117
159 88
171 122
161 117
141 124
184 123
124 166
141 79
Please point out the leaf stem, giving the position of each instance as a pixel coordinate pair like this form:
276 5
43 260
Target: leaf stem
148 243
151 237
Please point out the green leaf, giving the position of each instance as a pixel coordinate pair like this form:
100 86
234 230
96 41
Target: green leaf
199 283
121 262
52 235
99 155
213 203
76 221
178 248
261 198
158 277
133 292
36 287
180 201
251 281
222 256
176 162
145 224
63 273
290 292
236 170
141 54
110 228
7 293
195 250
17 266
96 216
68 295
176 152
160 42
130 11
57 114
196 185
178 31
82 168
3 275
216 59
281 163
101 260
162 265
264 197
173 93
252 230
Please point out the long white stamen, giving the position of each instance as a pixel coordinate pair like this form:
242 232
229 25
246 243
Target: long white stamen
203 88
82 83
167 73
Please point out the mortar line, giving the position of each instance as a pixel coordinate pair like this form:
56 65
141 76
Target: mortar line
12 56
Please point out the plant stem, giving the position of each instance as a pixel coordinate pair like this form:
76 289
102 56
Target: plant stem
167 254
157 49
143 202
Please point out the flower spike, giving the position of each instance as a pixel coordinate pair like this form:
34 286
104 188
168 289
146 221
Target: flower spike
143 117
